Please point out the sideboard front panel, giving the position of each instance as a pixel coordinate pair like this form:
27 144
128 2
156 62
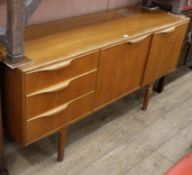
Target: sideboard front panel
164 52
59 72
121 69
53 120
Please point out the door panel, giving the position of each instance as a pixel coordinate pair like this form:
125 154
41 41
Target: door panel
121 69
164 53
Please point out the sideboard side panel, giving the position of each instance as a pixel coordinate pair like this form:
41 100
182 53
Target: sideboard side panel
14 103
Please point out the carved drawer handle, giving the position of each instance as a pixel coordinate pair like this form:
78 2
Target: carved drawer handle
137 40
169 30
54 67
59 87
52 112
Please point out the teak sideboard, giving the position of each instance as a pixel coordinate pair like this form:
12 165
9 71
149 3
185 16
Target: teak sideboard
82 64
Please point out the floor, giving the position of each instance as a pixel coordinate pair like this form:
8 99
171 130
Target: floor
118 140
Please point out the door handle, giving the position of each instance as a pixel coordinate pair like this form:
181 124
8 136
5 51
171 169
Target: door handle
53 67
53 89
139 39
166 31
52 112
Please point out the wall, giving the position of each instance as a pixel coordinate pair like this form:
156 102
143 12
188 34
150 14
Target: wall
2 12
59 9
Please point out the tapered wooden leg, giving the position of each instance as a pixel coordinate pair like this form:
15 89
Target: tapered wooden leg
61 143
147 96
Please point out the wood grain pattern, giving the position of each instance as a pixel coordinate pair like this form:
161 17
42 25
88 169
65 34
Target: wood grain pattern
53 91
50 75
45 100
14 103
43 126
148 92
162 128
121 69
164 53
72 37
61 143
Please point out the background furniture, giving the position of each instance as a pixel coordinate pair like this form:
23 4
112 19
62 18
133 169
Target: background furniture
3 170
80 65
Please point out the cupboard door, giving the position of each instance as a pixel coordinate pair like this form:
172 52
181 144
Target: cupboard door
164 52
121 69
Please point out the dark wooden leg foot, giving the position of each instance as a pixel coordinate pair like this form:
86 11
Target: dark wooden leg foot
61 143
3 171
147 96
161 85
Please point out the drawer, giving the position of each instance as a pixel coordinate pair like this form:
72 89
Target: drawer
51 121
49 98
56 73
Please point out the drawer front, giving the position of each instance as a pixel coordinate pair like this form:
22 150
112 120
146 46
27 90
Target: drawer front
51 75
42 101
54 120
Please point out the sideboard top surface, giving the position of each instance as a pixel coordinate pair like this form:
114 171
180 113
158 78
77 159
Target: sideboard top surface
60 40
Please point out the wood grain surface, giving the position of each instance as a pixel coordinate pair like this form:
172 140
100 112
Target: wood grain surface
75 36
117 49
